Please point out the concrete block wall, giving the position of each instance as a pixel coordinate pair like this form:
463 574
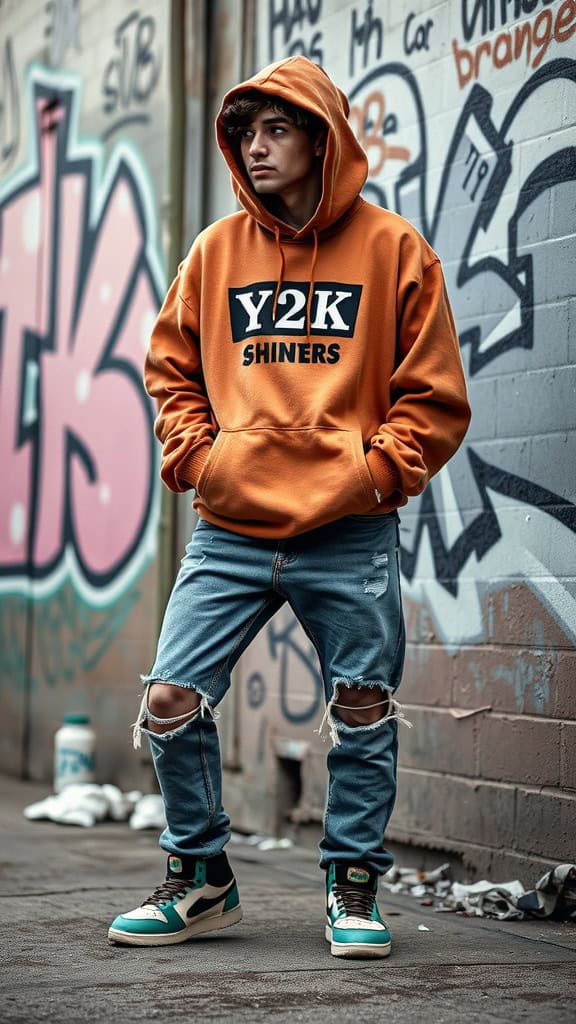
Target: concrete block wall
467 109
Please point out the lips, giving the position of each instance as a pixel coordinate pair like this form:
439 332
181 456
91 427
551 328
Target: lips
256 168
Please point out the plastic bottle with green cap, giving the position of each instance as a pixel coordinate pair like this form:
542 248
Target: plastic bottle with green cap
74 747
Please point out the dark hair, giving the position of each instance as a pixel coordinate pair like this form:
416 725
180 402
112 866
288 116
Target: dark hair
242 110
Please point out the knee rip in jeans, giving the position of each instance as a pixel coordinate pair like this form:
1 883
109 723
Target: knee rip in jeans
392 709
145 715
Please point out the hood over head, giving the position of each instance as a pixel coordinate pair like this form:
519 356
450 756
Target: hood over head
299 81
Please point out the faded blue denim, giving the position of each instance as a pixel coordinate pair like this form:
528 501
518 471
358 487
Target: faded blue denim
342 582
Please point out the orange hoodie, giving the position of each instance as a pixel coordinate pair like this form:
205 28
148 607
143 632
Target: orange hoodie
306 374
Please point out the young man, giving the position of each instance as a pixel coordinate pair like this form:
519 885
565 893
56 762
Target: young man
308 379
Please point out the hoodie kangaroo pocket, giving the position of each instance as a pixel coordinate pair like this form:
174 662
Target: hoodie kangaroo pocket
286 480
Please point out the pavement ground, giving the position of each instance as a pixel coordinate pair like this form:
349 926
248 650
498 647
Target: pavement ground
61 885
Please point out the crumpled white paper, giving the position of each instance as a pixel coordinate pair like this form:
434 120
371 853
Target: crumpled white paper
86 804
485 899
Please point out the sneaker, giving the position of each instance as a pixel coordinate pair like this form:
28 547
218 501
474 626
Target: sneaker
198 896
354 927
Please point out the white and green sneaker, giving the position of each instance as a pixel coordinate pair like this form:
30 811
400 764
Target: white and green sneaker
198 896
354 927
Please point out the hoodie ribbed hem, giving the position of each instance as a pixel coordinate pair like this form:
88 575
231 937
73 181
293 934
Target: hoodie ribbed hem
191 467
383 472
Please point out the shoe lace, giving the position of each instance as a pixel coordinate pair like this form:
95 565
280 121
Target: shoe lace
169 889
354 902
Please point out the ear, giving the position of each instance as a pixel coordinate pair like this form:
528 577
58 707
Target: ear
320 144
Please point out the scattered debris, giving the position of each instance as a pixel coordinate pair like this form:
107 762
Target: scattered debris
86 804
261 842
148 812
275 844
554 895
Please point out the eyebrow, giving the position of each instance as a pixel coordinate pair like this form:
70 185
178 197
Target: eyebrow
277 119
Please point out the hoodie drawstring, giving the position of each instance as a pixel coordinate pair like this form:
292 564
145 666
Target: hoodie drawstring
281 271
281 277
311 292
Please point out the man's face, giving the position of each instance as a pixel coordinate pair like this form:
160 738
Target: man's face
280 158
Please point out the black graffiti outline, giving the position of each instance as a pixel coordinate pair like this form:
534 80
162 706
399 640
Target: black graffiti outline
361 34
287 19
517 273
117 63
421 34
255 690
560 168
62 101
484 531
489 14
280 643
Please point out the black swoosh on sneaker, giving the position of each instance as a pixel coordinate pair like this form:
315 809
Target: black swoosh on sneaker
206 903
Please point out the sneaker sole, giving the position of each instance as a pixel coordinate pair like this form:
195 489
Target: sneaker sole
210 924
358 950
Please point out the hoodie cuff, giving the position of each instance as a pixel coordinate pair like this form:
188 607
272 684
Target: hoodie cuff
383 472
190 469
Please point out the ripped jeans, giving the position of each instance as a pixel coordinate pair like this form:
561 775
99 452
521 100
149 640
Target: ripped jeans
342 583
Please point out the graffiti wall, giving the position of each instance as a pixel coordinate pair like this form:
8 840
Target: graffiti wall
467 109
81 278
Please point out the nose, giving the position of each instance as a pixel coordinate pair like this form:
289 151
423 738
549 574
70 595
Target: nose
257 144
